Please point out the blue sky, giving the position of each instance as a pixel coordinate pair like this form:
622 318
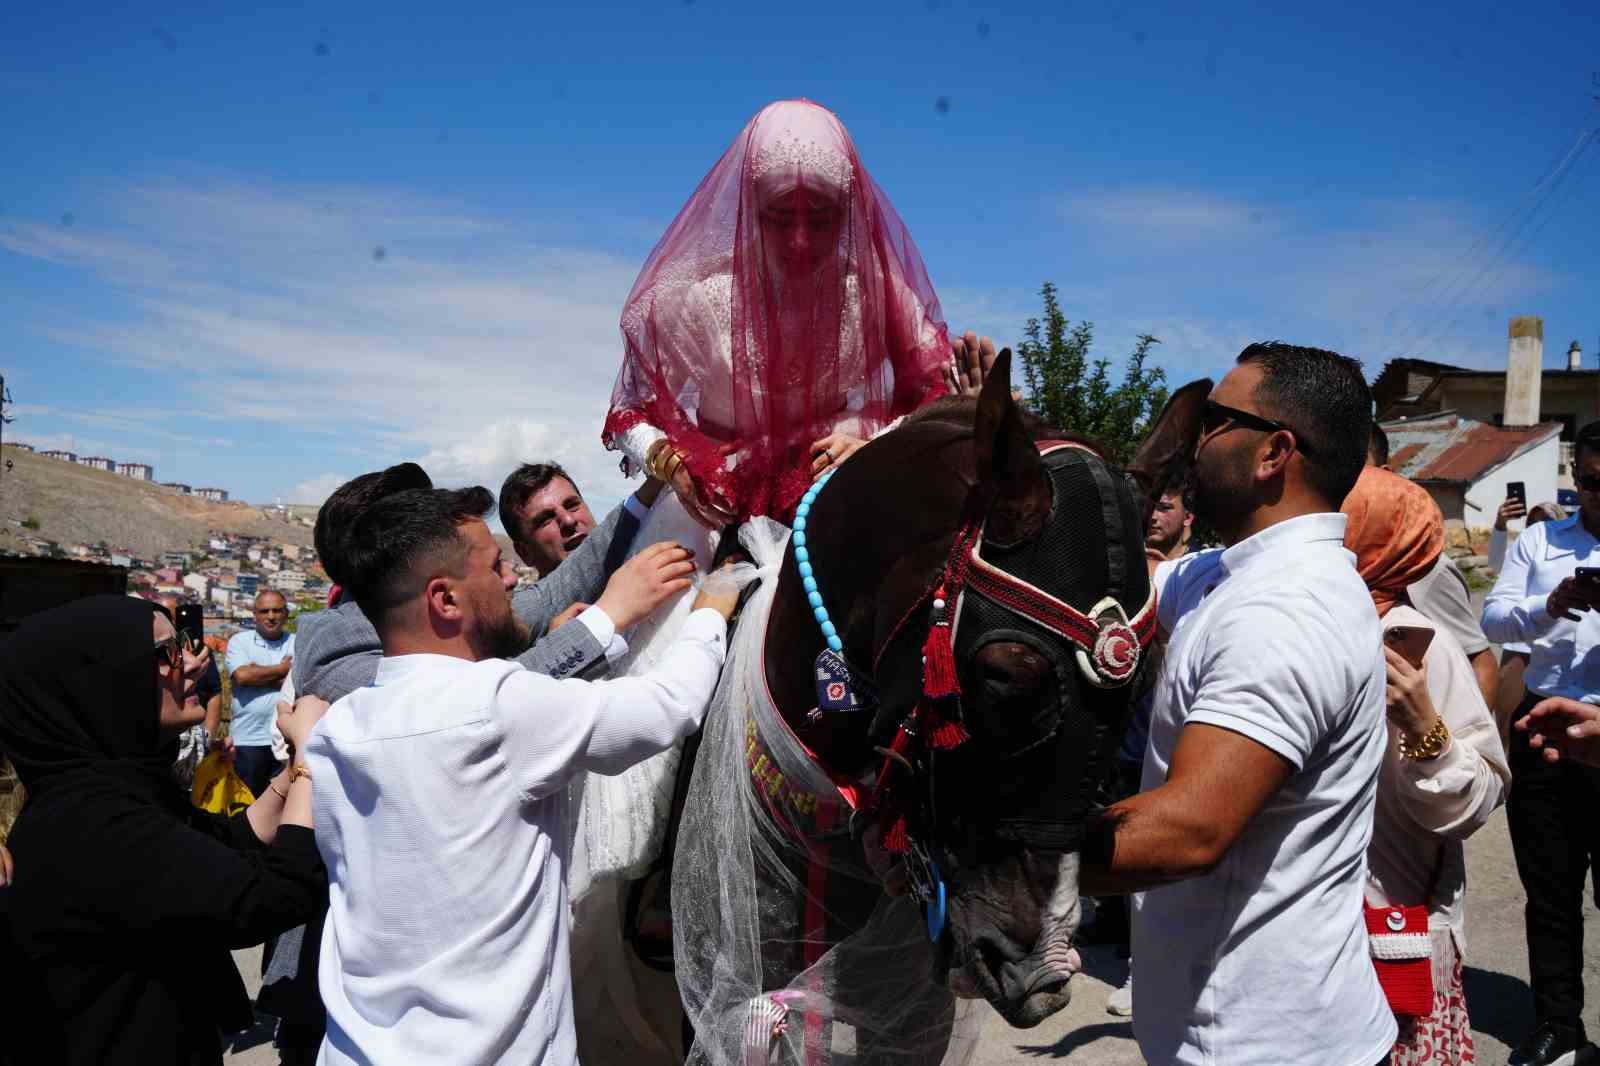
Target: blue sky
270 249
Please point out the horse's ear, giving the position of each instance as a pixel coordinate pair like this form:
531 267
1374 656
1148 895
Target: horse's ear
1009 469
1169 446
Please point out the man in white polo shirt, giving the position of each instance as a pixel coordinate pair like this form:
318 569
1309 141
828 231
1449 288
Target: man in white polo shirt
439 793
1267 732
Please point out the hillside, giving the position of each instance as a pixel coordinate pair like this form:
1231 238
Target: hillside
76 505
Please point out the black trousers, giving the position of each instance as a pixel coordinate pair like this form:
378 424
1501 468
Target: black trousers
1554 815
255 766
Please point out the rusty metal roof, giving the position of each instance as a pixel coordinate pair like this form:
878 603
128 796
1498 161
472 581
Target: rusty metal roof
1449 447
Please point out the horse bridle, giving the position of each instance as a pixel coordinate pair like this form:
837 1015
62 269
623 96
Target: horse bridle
1107 647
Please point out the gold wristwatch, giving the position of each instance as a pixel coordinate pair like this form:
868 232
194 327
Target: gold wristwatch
1429 746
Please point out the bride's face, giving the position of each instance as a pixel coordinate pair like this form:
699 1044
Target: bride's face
799 230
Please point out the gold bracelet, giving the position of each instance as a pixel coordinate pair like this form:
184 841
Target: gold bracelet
297 771
281 793
655 458
1428 746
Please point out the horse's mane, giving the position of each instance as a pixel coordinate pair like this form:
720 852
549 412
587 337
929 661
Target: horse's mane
958 412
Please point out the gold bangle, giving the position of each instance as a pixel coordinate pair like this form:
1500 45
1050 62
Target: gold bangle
297 771
655 458
280 792
1428 746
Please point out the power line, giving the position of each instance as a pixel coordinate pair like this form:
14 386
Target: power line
1491 248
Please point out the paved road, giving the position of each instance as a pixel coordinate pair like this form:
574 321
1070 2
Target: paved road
1496 979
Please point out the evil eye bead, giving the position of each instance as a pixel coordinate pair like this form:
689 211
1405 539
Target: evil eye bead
828 628
805 570
835 644
809 584
799 538
802 555
815 600
799 523
821 615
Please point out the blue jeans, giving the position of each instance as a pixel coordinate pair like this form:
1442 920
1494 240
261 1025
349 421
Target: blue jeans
256 766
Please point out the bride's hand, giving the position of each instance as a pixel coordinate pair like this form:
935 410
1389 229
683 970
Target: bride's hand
705 509
831 451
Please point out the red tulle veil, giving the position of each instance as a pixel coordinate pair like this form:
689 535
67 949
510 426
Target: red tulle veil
785 301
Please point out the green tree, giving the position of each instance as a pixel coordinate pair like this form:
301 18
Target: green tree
1069 388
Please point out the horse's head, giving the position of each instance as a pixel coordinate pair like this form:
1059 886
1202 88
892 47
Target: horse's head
1041 547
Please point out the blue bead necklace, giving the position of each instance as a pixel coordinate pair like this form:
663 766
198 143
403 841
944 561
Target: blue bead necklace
808 580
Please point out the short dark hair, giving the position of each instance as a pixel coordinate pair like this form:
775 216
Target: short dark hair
524 481
1323 396
1588 437
405 539
1378 446
348 502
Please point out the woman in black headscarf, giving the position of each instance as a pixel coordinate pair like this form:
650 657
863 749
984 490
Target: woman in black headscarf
125 900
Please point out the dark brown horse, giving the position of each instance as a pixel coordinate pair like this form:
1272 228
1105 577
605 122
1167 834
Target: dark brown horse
961 796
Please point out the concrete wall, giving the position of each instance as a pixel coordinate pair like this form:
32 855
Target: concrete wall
1536 468
1561 396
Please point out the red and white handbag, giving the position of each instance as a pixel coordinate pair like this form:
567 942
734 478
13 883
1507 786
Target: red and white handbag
1402 952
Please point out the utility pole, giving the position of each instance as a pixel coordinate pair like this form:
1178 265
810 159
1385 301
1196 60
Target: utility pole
5 419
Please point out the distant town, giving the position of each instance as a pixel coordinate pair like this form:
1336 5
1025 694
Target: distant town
136 471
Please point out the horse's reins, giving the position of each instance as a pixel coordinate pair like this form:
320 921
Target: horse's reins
1107 644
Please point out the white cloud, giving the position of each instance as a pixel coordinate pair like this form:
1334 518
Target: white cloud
315 490
395 326
1164 215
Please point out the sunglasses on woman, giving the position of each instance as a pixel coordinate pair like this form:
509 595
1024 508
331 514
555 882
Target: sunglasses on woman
170 649
1217 415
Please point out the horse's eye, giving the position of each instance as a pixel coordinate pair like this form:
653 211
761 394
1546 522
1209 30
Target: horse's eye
1011 670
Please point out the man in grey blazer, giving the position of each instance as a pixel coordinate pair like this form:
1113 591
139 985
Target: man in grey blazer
337 650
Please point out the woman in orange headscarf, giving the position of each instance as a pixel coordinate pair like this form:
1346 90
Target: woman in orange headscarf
1444 772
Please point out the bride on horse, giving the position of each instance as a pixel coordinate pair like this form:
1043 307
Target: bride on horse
784 317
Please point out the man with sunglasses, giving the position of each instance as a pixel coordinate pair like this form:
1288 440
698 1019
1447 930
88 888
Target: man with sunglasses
1540 600
1248 842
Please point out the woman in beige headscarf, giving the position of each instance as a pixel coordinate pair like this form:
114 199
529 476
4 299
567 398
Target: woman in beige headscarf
1445 771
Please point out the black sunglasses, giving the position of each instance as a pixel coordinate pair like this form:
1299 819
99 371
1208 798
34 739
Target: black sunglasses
170 649
1218 415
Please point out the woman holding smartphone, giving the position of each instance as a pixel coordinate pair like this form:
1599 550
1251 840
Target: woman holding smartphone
1445 769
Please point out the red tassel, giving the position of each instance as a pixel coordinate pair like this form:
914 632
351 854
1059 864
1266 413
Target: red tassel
896 839
939 678
949 734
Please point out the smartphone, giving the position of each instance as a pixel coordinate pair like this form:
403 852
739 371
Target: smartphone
191 626
1587 575
1516 490
1411 642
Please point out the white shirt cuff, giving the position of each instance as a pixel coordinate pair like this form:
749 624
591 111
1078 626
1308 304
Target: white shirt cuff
635 506
1538 611
604 631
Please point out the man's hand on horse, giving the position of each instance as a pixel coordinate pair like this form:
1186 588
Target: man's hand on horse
721 589
831 451
645 582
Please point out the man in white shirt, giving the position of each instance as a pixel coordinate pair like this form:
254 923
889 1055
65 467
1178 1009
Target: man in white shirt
1540 601
1249 839
439 793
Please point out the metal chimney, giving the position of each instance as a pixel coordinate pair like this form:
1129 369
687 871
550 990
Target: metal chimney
1524 366
1574 357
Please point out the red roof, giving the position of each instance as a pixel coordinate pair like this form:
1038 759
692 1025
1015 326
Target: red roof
1447 447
